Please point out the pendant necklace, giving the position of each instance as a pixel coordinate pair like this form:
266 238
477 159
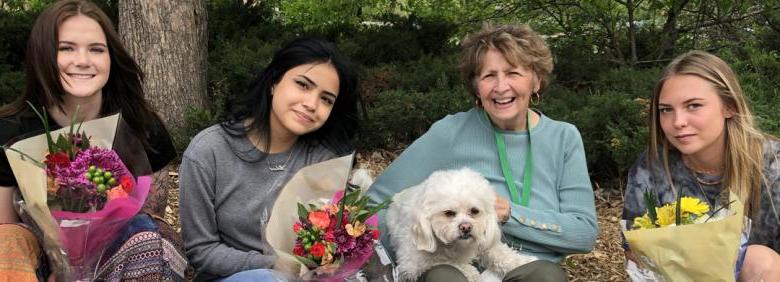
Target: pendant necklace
280 167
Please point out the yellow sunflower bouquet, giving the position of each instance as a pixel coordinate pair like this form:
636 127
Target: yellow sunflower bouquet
686 240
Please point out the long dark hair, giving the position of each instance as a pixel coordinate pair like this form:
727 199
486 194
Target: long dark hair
123 91
342 124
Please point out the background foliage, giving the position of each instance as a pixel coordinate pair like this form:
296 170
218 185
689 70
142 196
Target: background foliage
608 55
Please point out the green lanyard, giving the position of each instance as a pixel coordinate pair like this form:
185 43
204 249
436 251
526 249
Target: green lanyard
507 170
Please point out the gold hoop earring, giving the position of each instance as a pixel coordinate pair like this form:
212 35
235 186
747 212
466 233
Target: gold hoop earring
478 102
538 98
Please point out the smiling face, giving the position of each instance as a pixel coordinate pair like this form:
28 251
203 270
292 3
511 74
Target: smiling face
693 116
82 57
505 90
303 99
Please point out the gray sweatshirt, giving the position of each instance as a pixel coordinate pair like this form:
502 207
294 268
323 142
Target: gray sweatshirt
227 191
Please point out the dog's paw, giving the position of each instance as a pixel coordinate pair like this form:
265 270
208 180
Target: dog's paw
362 178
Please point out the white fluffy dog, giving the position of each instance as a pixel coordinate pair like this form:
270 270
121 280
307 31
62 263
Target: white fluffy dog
449 218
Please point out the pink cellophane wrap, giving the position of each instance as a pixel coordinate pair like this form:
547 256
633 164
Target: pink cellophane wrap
86 235
73 242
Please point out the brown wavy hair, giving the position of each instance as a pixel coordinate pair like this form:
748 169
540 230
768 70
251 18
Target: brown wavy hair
123 91
520 45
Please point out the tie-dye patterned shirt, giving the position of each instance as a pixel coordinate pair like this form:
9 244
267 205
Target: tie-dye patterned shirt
765 229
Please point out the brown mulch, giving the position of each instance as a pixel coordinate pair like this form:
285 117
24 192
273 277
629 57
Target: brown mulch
604 263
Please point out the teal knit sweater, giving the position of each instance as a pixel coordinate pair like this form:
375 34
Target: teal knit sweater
561 216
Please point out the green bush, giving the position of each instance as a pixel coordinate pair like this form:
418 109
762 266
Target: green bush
11 83
611 118
398 117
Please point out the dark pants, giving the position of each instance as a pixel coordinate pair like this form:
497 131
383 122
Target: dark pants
540 270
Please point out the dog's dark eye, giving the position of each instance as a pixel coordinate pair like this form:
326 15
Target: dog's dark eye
449 213
474 211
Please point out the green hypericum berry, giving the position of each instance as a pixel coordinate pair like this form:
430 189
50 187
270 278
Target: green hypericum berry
99 171
107 175
101 188
98 180
92 168
112 182
88 176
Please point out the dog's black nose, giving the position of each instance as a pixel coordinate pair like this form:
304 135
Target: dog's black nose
465 228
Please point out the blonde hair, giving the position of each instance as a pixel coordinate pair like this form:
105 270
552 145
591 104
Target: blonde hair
520 45
743 161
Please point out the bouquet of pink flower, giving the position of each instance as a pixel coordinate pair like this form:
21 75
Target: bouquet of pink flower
336 234
83 185
332 236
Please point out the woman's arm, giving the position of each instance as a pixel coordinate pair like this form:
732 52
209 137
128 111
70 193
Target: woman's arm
158 195
7 212
573 227
202 241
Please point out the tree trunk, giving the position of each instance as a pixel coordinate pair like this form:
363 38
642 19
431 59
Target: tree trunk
670 32
630 7
168 39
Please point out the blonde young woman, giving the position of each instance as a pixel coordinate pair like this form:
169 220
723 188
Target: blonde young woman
703 138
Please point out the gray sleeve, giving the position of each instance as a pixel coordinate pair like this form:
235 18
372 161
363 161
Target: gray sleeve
638 181
202 242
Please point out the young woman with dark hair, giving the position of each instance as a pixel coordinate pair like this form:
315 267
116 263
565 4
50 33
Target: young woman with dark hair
75 60
302 109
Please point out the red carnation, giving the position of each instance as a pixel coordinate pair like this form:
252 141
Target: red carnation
320 219
59 159
127 183
317 250
298 250
329 236
296 227
375 234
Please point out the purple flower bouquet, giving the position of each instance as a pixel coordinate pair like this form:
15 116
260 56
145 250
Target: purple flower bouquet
82 193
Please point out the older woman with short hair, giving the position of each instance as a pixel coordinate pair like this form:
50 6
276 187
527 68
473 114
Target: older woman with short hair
536 164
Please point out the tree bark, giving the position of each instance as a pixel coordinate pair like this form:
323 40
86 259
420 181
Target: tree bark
168 39
630 8
670 32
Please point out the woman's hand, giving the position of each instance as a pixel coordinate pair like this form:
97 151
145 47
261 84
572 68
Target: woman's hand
503 210
7 212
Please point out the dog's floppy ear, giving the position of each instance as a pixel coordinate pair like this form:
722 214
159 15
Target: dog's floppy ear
492 229
422 232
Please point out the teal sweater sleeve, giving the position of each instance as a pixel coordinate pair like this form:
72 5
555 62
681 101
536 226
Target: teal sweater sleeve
572 227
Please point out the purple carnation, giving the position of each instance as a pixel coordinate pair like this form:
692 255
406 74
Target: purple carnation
76 192
344 241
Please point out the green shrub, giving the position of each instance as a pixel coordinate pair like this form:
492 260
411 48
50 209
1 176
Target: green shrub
11 83
398 117
611 118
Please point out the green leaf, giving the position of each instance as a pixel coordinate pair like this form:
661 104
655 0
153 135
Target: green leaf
651 204
718 210
45 119
303 214
350 197
306 261
25 156
84 141
373 210
678 209
63 144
